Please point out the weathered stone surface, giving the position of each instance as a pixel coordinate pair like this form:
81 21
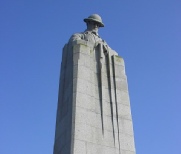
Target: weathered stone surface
127 142
79 147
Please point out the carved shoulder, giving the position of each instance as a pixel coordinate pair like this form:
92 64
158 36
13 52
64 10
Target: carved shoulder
76 36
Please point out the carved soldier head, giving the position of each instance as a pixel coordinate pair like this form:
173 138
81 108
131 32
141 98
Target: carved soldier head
93 22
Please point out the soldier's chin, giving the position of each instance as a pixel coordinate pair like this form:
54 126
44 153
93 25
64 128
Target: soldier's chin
95 30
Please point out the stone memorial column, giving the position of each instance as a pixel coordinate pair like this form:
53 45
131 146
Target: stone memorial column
93 113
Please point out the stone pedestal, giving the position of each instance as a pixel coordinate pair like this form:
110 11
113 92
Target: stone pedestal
93 114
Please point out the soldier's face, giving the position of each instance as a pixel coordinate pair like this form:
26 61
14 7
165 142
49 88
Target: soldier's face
93 26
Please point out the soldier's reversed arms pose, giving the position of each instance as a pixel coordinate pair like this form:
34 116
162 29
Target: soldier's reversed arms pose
94 22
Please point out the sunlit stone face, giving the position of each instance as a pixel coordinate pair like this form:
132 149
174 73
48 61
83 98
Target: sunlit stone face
93 26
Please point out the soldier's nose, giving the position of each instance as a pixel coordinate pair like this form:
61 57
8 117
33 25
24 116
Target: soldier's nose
96 26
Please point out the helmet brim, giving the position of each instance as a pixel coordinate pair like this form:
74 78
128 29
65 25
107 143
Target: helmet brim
89 19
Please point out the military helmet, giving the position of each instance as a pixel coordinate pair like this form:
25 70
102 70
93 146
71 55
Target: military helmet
95 18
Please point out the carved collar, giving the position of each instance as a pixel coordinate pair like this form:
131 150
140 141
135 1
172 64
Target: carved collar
87 31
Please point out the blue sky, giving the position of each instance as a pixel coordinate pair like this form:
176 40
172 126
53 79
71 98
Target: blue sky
147 34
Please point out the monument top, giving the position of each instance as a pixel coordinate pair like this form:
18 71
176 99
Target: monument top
90 35
95 18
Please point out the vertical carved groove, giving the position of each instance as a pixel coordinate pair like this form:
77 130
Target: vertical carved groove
99 60
110 92
116 103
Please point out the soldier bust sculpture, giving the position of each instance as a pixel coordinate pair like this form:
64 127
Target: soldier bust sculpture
94 22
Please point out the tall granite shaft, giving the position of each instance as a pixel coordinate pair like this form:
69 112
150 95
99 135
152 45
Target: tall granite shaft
93 114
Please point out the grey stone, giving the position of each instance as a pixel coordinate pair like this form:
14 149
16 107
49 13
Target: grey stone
127 142
85 101
79 147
